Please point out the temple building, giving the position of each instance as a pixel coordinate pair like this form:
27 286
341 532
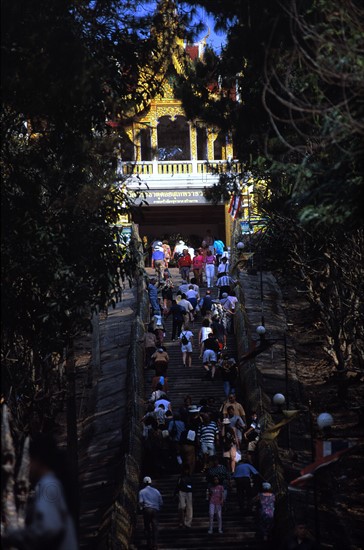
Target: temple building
173 159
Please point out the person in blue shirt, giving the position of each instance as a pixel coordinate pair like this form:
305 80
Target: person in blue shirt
153 297
243 475
219 249
158 257
150 502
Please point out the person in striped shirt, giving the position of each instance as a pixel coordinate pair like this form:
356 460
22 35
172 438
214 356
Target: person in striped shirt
207 436
224 283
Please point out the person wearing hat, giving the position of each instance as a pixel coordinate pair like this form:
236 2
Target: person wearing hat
266 505
232 402
158 260
150 502
228 442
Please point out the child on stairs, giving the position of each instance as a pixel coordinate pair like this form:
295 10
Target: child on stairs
216 500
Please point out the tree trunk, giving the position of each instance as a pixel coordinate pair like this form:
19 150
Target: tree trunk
72 435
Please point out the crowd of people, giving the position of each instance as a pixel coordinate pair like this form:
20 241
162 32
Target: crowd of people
209 437
214 438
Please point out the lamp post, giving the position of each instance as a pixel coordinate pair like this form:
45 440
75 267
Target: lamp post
261 331
324 422
279 400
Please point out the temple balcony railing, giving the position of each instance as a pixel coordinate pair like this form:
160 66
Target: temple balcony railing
184 168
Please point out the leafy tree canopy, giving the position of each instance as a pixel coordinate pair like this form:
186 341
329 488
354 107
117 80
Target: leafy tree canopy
298 67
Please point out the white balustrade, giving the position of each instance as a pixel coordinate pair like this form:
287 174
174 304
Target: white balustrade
170 168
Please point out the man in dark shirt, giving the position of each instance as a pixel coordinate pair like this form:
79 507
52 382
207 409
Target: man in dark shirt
210 355
206 303
184 492
177 313
301 539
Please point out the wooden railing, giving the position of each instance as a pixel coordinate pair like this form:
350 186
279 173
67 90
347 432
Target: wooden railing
178 167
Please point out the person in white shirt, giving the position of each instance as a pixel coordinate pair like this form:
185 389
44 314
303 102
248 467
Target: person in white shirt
223 266
186 339
163 401
179 248
187 306
150 502
203 335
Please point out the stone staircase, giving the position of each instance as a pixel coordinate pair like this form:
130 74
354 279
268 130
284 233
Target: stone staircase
239 529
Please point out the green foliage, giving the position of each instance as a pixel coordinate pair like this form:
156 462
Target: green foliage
68 68
300 71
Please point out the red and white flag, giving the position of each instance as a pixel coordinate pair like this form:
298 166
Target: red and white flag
309 471
234 206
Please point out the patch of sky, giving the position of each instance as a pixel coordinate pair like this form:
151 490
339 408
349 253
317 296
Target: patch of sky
200 22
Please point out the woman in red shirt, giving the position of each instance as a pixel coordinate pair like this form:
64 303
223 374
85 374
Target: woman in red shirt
184 264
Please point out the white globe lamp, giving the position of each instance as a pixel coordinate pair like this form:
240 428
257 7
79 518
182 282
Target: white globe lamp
325 420
261 330
240 245
279 399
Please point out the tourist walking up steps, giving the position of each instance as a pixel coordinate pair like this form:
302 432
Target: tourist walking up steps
243 475
184 264
210 268
266 504
186 339
158 259
150 502
216 501
184 492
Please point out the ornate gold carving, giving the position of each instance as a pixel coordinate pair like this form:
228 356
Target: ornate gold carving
193 142
211 136
169 110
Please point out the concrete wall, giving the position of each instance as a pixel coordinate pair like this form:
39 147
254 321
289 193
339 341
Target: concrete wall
118 523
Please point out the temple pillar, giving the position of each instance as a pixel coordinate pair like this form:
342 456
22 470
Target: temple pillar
138 143
154 138
229 146
211 136
228 225
193 142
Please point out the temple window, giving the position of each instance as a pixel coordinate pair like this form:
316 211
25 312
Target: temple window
173 138
201 143
220 147
128 150
145 144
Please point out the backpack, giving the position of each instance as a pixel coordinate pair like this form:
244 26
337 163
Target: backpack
184 339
